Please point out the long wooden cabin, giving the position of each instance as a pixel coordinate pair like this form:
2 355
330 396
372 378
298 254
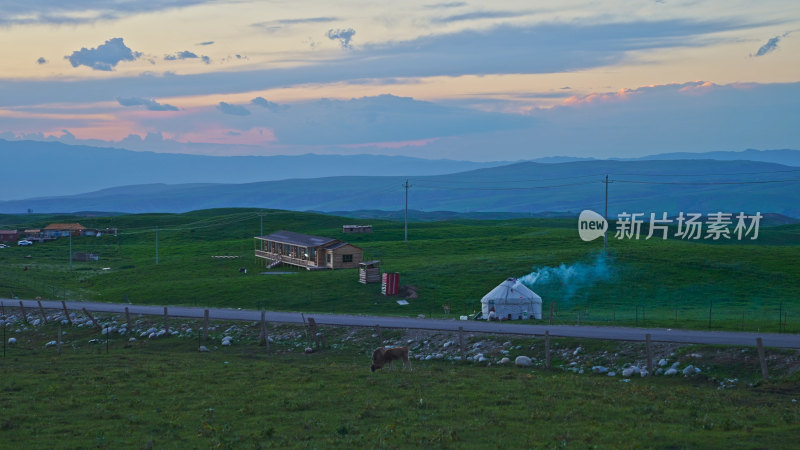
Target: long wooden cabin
309 252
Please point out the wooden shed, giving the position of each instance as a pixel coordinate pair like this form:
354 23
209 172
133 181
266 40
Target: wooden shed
356 228
369 272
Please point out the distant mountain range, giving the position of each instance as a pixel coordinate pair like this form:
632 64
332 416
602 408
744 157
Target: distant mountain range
42 169
644 186
35 169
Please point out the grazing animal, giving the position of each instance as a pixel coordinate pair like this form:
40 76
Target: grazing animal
382 355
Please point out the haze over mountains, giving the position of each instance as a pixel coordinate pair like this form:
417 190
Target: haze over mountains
298 183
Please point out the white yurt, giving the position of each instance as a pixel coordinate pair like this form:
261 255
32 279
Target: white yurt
511 300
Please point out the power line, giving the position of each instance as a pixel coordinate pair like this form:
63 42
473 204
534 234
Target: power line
707 182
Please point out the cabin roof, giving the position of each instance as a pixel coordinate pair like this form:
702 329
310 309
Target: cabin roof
290 237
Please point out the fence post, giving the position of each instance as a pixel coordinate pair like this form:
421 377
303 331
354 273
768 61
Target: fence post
41 310
22 308
66 312
58 340
551 313
762 358
262 335
710 306
461 343
128 317
649 354
205 326
166 320
92 318
378 332
547 349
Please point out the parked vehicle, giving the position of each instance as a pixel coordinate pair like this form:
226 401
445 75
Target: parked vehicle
3 246
24 242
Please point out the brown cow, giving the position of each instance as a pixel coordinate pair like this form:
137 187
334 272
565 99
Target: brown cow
382 355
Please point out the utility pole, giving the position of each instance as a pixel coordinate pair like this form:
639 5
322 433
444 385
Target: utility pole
156 245
605 233
405 229
70 250
262 224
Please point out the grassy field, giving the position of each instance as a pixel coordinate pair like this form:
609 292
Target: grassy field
746 285
164 393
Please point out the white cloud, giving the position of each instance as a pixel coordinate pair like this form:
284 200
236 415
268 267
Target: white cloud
105 57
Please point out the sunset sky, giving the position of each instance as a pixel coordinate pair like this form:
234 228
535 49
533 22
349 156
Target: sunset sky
505 80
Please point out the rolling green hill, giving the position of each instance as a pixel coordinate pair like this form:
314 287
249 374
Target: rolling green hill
748 284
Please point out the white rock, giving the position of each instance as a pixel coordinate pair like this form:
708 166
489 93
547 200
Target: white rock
577 350
12 340
688 370
309 350
482 359
50 344
643 373
203 348
132 339
504 361
429 357
627 372
612 374
675 364
161 333
447 344
662 362
506 343
152 336
107 330
599 369
523 361
228 344
671 371
37 322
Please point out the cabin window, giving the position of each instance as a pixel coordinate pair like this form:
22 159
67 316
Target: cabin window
347 258
328 258
312 254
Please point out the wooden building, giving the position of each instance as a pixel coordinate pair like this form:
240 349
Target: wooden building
310 252
369 272
55 230
9 235
356 228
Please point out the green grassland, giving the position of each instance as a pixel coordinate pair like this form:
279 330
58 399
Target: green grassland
750 285
165 394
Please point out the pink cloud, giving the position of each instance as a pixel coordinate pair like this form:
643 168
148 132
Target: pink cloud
594 97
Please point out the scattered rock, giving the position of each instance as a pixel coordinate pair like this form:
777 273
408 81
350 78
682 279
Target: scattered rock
309 350
504 361
203 348
599 369
12 340
662 362
523 361
671 371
